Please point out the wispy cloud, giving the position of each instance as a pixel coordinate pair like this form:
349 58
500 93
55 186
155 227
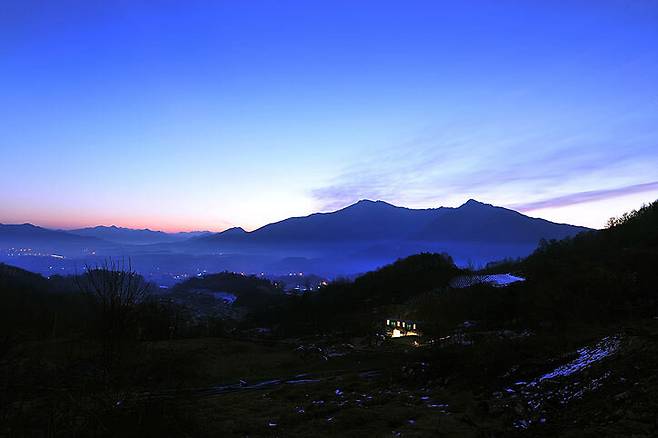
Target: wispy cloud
504 167
588 196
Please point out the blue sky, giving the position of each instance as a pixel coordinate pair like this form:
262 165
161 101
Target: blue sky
203 115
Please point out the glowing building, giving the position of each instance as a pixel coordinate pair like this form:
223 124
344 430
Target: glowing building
397 328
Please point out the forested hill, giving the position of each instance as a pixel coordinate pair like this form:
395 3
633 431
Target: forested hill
604 275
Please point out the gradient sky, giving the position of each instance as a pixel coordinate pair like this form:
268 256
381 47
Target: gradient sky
203 115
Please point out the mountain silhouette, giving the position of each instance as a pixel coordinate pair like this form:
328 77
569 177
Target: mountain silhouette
479 222
38 238
358 238
130 236
376 221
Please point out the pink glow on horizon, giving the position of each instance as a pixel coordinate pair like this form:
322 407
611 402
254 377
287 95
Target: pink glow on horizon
76 221
592 213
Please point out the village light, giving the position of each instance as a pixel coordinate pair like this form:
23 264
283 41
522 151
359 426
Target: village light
401 328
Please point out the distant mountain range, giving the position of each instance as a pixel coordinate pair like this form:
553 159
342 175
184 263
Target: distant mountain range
357 238
101 237
43 239
130 236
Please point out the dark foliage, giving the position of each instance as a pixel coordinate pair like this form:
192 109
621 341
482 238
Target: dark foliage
603 276
34 307
243 286
355 307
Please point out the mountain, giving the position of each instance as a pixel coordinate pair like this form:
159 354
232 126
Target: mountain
43 239
364 221
231 233
376 221
370 234
129 236
355 239
478 222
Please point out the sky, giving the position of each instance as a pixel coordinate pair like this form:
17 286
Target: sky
184 115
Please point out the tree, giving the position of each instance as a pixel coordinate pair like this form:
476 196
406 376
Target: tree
117 290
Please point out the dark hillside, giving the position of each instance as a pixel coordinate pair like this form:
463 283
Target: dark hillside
230 282
359 306
36 307
605 275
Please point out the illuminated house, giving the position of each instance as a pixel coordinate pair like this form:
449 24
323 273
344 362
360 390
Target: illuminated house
397 328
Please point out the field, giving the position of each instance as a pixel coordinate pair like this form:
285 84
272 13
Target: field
331 387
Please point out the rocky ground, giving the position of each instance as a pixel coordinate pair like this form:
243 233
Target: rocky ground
605 386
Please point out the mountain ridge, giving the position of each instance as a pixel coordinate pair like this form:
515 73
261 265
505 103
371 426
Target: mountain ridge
357 238
135 236
45 238
379 220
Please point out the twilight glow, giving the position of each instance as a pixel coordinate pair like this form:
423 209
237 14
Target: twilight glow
204 115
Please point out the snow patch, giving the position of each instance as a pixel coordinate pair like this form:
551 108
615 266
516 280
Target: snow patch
227 297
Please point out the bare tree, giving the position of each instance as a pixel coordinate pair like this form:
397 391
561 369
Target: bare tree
117 290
